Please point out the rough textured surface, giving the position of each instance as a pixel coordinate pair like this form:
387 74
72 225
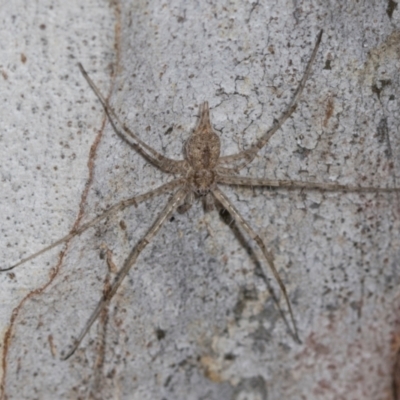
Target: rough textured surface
195 320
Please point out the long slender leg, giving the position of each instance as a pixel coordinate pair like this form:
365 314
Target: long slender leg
111 211
247 156
220 196
163 163
168 210
289 184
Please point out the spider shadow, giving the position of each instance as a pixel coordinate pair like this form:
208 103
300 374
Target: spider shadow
258 271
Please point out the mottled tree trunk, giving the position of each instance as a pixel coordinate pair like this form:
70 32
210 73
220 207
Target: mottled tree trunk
195 319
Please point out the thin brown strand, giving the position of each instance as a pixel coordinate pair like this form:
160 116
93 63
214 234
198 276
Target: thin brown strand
152 156
220 196
291 184
111 211
171 206
247 156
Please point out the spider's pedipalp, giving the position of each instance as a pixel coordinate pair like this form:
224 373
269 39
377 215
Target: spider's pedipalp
187 203
209 202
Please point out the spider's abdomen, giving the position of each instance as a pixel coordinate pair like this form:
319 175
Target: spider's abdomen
203 147
202 150
202 153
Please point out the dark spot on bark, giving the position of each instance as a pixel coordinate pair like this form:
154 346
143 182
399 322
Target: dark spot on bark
392 5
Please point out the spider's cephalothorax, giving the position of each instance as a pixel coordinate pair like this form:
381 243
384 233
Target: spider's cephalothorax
202 153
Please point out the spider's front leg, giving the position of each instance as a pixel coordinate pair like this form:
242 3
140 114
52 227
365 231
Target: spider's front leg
171 206
227 204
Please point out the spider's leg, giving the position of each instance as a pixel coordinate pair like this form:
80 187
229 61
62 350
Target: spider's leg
289 184
149 154
238 161
227 204
111 211
171 206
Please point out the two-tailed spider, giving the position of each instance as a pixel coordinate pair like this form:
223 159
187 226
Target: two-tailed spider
199 175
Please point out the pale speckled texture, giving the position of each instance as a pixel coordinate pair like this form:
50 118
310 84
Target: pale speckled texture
195 320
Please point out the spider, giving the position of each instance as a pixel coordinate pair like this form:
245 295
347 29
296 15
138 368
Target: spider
200 175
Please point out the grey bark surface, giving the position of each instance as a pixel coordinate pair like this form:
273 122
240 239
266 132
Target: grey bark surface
194 319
